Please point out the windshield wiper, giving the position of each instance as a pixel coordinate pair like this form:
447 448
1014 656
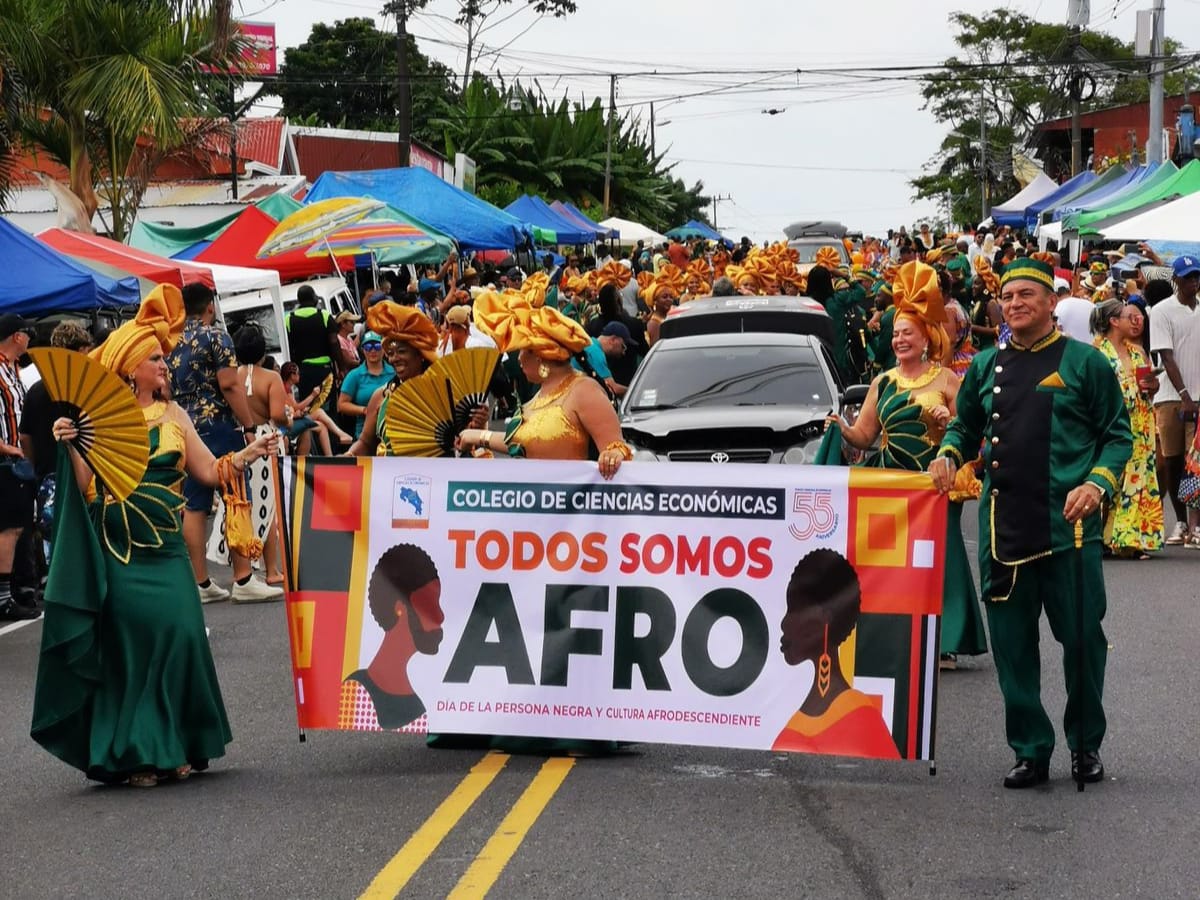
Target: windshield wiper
653 407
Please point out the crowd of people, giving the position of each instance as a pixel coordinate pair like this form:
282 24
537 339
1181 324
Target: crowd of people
1010 375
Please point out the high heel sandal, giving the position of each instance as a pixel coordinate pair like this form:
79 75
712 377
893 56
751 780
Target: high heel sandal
181 773
143 780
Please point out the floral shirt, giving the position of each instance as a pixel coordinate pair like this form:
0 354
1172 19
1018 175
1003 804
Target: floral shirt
202 351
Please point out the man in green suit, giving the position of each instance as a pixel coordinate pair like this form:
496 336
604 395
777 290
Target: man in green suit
1055 434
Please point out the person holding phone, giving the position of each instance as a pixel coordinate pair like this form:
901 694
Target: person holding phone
1175 340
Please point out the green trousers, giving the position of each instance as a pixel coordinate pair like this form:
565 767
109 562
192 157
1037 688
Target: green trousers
1050 584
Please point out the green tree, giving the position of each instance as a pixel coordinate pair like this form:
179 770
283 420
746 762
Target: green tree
106 78
344 75
1012 72
525 143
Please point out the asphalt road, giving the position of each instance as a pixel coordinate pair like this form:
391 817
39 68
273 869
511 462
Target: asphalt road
322 819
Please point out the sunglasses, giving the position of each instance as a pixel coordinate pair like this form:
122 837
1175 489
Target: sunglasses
372 345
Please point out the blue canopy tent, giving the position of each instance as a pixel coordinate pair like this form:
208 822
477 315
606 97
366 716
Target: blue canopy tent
596 232
474 223
1133 181
697 229
1034 210
39 280
537 212
587 220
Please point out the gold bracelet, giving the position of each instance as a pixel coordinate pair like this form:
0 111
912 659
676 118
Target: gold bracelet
485 439
622 448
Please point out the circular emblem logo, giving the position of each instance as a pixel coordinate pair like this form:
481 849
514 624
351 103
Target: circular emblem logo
720 457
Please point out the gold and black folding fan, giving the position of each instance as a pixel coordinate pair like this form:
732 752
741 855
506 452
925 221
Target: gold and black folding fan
323 394
426 413
113 438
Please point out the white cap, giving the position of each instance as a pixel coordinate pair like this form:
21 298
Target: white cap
1061 284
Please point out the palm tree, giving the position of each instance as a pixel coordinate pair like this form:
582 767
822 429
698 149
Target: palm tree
106 76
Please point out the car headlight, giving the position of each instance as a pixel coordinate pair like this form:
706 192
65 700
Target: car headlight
640 454
801 454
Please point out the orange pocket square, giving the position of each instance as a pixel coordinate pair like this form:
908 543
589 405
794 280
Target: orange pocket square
1053 380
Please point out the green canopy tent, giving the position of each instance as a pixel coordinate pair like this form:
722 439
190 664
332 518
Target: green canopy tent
1154 190
185 242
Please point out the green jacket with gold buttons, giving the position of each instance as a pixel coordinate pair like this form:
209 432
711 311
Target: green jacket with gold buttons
1049 417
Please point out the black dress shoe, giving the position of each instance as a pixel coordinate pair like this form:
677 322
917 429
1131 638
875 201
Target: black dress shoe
1027 773
15 612
1087 763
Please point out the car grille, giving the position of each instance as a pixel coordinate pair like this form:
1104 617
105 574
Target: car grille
735 456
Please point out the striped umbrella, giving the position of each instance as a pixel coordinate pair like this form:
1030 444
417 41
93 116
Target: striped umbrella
314 221
372 236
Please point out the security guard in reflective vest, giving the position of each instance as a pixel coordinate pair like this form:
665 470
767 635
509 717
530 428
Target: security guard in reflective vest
312 339
1055 433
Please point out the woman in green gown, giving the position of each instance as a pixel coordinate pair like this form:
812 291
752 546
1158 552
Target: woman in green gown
907 409
126 689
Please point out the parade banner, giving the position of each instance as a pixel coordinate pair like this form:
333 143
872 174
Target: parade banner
788 608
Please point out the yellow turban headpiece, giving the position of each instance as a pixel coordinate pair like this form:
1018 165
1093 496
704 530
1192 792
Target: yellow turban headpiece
1050 259
157 326
404 325
985 273
515 324
828 257
645 281
719 261
669 280
698 268
534 289
614 273
919 297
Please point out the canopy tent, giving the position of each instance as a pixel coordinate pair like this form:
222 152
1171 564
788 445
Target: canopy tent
556 229
1012 212
474 223
1034 210
632 232
1125 185
136 262
189 242
1173 221
39 279
696 229
1153 190
239 243
572 214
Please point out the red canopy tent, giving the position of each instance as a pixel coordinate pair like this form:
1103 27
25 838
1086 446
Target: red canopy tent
153 268
238 244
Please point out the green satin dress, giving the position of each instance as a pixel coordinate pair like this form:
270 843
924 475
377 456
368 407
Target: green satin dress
909 440
125 681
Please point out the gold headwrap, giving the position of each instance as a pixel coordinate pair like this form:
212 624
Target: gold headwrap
157 326
404 325
828 257
645 282
534 289
719 261
699 268
669 280
613 273
919 298
985 273
1050 259
515 324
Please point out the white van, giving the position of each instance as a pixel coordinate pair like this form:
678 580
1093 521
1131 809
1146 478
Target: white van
261 308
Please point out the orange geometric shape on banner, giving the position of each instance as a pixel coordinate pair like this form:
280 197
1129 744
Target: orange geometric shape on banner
317 620
884 539
337 500
898 543
300 625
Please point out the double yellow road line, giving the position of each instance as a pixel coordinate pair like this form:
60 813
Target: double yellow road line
499 849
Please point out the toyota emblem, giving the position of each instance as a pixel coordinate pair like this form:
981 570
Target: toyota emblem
720 457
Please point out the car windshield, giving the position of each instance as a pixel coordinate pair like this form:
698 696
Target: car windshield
773 375
808 247
263 317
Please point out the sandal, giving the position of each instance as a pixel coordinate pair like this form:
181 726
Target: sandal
143 780
182 772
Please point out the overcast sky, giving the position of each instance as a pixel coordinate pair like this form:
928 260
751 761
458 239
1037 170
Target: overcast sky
837 150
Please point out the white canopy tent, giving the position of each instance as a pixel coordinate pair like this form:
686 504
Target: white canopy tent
1014 208
632 232
1174 221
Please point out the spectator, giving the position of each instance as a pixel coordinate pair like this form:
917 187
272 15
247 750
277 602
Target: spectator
1073 314
17 479
678 253
723 287
1175 340
205 385
312 337
364 380
624 366
460 334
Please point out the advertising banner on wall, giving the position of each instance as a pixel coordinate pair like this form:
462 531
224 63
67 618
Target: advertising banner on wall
682 603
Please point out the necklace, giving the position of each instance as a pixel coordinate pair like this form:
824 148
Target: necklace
554 394
926 377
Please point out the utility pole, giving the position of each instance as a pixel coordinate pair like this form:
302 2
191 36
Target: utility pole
612 114
403 83
1076 91
715 200
233 154
652 153
983 166
1154 146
